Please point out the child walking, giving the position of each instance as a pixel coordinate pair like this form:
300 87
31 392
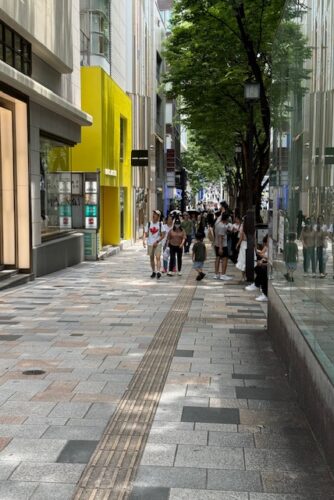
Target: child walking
199 256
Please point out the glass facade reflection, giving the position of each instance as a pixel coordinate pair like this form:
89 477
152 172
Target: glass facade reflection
302 172
55 187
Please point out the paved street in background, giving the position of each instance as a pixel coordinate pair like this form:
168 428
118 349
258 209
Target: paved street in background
73 345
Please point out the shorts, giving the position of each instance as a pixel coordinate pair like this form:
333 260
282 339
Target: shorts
154 251
198 265
225 252
291 266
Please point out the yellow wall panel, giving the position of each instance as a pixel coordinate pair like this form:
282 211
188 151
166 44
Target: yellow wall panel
100 149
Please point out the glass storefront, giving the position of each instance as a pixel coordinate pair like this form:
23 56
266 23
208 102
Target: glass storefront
302 172
55 187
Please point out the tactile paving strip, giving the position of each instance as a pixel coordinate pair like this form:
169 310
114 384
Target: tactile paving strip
113 466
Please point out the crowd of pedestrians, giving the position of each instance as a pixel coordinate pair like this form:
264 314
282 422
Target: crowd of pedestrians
171 238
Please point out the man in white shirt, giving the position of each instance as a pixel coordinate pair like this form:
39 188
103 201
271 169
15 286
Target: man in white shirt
154 233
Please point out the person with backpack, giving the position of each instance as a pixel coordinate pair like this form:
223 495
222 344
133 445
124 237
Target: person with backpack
154 233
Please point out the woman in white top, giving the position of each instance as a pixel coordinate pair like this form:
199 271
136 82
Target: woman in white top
166 252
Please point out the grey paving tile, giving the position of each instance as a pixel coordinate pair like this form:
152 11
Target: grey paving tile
48 473
319 485
23 431
206 426
12 490
184 353
168 477
246 376
293 441
69 409
279 496
234 480
77 452
263 393
6 469
35 450
70 432
283 460
163 436
51 491
149 493
210 457
100 410
231 439
158 454
211 415
188 494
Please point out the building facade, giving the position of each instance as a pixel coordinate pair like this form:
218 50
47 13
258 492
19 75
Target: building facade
41 120
301 310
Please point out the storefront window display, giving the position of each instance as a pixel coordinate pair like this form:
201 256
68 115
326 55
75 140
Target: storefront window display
55 187
302 173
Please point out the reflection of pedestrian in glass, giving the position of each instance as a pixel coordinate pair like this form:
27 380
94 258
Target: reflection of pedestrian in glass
300 220
307 238
320 245
290 256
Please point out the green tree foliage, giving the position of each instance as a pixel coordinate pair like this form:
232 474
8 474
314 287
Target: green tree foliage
215 46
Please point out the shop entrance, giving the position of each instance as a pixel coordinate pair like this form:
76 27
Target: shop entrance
14 184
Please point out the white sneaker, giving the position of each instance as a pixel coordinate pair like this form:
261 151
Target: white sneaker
224 277
262 298
251 288
216 277
179 273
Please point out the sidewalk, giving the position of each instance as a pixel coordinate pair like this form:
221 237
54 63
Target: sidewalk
110 341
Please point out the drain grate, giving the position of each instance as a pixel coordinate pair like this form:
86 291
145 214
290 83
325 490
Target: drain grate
33 372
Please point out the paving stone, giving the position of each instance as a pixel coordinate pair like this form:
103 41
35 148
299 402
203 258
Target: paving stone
250 376
262 393
319 485
77 452
276 441
100 410
233 480
184 353
159 454
69 432
56 491
187 494
6 469
74 410
231 439
35 450
139 493
211 415
48 473
168 477
283 460
271 496
162 436
12 490
210 457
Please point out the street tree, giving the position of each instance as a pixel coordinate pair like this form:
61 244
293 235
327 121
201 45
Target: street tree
215 46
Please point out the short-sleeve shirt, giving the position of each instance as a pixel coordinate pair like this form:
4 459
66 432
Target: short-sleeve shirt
199 251
220 231
153 230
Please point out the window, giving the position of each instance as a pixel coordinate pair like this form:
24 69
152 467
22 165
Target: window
55 187
15 50
122 139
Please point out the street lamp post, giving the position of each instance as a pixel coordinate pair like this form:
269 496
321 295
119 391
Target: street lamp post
252 94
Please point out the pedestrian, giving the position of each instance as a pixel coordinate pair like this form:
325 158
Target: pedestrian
290 256
261 272
235 236
176 239
165 248
307 238
321 232
199 256
187 226
221 251
154 233
241 247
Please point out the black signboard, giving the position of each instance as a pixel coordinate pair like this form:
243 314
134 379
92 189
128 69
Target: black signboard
139 158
